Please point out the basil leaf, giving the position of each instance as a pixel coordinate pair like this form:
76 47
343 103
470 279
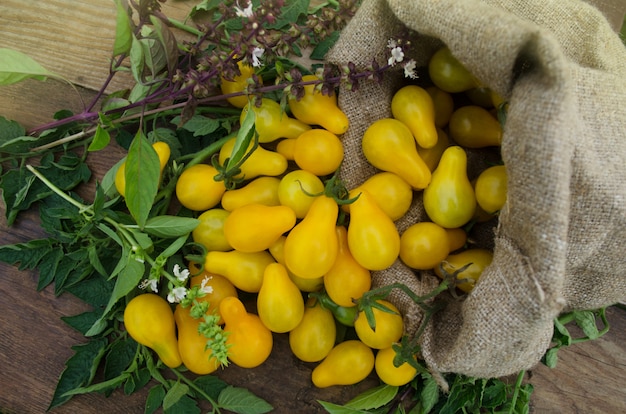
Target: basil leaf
142 178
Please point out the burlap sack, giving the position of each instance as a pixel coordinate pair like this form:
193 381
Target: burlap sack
561 239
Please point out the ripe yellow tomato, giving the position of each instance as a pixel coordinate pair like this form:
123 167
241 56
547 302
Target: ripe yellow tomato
388 372
478 259
391 192
255 227
314 337
318 151
347 363
472 126
196 188
424 245
220 288
210 230
448 74
250 342
239 83
346 280
491 188
261 190
149 320
298 189
389 327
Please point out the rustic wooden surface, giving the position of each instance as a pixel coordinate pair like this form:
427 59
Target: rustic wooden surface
74 38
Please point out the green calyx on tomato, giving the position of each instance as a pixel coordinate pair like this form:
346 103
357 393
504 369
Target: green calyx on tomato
343 314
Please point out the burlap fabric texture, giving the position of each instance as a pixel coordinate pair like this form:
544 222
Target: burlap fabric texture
560 241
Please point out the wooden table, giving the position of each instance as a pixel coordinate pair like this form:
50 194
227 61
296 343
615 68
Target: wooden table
74 38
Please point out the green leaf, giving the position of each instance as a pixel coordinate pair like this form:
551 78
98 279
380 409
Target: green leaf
339 409
495 394
79 370
586 320
103 386
82 322
168 43
170 226
142 178
210 385
100 139
242 401
26 255
199 125
127 280
123 29
319 52
154 399
16 66
137 61
429 396
290 13
48 267
10 130
243 140
373 398
185 405
174 394
551 357
118 359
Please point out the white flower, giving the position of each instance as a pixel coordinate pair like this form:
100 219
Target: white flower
177 294
151 283
247 12
409 69
257 53
392 44
180 275
396 56
205 287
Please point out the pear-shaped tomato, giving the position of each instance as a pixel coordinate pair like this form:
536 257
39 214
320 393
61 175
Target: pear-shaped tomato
449 199
373 238
390 191
279 303
255 227
261 190
389 146
260 162
347 363
250 342
413 106
244 270
277 250
315 108
192 345
315 335
472 126
149 320
311 246
347 280
272 123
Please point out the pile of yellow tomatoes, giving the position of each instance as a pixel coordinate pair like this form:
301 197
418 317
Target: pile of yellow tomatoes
282 236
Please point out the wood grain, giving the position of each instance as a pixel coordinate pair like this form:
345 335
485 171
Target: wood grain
74 38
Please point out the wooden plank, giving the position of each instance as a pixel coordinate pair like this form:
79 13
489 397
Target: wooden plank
74 38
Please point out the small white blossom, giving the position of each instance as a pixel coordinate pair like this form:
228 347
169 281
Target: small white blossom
205 287
257 53
396 56
246 12
177 294
151 283
180 275
392 44
409 69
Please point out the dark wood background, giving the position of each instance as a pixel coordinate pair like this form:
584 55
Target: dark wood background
74 38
